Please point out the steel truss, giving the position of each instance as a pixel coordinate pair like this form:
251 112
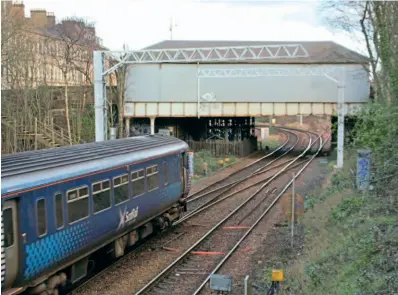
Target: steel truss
266 72
215 54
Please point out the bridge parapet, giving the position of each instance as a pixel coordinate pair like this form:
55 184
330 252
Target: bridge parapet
233 109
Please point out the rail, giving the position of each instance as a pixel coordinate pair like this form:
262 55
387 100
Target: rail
263 169
163 273
202 191
229 254
293 163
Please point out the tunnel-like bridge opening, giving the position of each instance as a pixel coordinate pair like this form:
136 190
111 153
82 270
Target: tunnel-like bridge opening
205 128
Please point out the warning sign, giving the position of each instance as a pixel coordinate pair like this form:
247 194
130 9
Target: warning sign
286 206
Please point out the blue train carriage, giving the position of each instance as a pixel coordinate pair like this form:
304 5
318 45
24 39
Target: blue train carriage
63 208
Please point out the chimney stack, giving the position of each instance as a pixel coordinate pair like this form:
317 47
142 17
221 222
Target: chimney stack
17 10
38 18
90 33
50 19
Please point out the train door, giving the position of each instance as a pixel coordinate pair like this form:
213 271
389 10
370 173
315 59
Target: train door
9 243
181 169
184 174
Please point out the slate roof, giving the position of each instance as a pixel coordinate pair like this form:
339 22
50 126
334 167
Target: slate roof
319 51
59 32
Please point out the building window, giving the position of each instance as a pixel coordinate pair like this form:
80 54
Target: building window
165 173
121 188
8 224
78 205
152 177
101 195
138 182
59 211
41 217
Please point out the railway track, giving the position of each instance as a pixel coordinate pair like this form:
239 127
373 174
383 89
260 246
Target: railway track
248 169
179 276
213 197
255 170
209 198
257 221
205 196
255 165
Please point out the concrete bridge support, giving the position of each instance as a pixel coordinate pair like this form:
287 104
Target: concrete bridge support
152 125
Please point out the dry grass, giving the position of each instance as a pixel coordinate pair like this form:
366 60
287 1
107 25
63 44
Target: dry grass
343 245
318 237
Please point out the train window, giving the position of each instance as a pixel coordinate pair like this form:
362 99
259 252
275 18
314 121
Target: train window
101 196
59 211
106 184
138 182
165 173
152 177
83 191
41 217
8 224
121 188
78 205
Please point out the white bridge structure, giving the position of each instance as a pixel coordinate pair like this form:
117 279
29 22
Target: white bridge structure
235 79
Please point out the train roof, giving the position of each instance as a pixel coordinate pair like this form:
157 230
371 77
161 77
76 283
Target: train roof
26 170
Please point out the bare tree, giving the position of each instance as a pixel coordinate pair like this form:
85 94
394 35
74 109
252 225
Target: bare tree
376 24
22 73
120 75
74 42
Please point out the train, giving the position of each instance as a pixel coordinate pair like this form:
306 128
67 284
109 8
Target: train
64 208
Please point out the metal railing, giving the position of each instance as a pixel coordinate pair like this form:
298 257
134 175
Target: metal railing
44 133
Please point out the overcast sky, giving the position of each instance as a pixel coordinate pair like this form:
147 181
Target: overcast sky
140 23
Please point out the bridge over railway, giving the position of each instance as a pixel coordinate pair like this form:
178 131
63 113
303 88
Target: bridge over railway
228 79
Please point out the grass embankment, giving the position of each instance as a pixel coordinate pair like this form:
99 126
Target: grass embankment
213 163
347 243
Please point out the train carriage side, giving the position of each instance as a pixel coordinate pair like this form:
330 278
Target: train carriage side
70 219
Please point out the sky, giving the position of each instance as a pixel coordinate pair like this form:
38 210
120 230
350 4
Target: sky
140 23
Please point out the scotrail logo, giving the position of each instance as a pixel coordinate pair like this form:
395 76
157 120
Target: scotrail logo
127 217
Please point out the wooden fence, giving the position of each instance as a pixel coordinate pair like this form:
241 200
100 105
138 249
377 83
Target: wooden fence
219 148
